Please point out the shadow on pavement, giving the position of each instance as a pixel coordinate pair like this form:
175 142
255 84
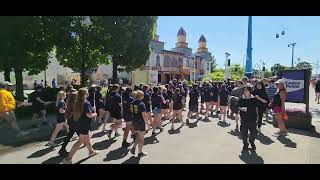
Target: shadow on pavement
175 131
223 124
251 157
116 154
99 134
53 160
151 140
287 142
264 139
235 133
41 152
304 133
206 120
132 160
103 144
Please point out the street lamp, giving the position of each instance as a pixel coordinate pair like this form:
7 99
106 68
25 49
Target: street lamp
292 57
227 66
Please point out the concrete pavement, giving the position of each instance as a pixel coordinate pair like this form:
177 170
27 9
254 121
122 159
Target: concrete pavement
203 142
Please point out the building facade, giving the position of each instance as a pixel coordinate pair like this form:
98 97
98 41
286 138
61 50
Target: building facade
179 62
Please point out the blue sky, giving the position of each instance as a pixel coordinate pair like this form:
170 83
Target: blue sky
229 34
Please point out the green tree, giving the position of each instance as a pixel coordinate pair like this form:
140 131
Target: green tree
213 64
278 67
304 65
129 43
84 49
25 45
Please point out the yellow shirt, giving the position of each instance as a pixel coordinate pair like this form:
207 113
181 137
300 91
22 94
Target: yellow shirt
7 101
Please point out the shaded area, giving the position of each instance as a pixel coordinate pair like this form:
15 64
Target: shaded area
223 124
264 139
206 120
116 154
99 134
287 142
151 140
132 160
251 157
53 160
174 131
236 133
41 152
102 145
304 133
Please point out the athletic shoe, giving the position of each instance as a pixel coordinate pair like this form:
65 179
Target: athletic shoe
109 134
93 153
66 161
259 130
161 129
253 146
153 134
133 150
142 154
116 134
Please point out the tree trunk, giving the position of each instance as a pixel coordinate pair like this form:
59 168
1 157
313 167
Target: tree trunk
83 76
7 74
114 72
19 84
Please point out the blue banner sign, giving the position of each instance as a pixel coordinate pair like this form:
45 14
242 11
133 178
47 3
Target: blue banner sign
295 84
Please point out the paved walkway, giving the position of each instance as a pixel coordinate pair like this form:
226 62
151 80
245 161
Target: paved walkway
203 142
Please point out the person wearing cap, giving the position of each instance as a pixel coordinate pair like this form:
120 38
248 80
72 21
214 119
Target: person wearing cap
278 106
7 107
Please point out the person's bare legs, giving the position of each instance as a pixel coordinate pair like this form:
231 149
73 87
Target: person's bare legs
280 122
76 147
106 118
141 140
87 143
55 132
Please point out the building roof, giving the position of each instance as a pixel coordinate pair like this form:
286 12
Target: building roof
202 39
181 32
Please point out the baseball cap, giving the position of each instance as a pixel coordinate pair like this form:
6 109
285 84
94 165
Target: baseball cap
280 81
2 84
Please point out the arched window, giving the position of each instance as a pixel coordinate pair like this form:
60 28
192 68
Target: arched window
188 63
167 61
158 60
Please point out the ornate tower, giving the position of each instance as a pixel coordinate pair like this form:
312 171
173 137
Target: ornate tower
202 44
181 39
155 31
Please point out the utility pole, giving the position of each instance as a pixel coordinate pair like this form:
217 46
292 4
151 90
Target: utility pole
227 66
292 56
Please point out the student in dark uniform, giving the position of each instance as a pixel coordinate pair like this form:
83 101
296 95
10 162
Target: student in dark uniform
61 121
223 101
99 104
194 94
156 109
184 93
107 107
83 115
165 104
170 95
260 94
70 105
127 115
39 107
139 121
147 102
115 110
207 99
214 93
177 107
201 97
317 90
249 117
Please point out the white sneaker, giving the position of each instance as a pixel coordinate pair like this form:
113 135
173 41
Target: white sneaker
93 153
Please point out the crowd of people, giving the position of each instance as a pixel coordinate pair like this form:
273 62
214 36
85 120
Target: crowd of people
143 108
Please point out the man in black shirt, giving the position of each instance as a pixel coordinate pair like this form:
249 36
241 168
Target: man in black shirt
249 117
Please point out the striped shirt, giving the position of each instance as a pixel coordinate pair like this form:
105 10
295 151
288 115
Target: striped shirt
271 91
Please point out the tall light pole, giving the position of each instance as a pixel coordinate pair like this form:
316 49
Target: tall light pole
292 57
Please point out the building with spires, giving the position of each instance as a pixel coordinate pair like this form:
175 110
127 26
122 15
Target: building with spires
179 62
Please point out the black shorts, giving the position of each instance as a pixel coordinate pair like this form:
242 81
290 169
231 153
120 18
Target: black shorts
223 103
193 107
60 120
127 117
116 115
139 125
165 107
177 107
83 127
